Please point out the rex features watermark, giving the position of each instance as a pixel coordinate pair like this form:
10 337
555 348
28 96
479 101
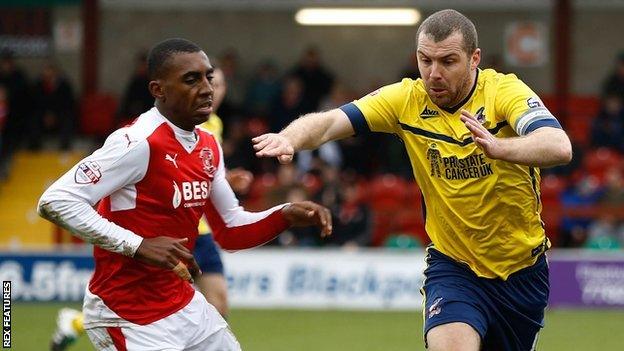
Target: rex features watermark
6 314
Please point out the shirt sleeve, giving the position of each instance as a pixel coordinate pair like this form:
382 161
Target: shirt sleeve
233 227
69 201
521 107
379 111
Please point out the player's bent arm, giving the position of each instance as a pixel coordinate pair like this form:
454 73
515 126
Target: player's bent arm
69 201
314 129
83 221
234 228
543 147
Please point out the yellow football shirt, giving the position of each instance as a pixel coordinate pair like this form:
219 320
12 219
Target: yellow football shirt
479 211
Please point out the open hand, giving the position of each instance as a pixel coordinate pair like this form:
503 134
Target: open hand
274 145
492 146
169 253
306 213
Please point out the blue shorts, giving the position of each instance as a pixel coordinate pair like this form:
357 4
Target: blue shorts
507 314
207 255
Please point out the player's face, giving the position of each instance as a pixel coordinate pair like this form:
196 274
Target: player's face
446 69
187 89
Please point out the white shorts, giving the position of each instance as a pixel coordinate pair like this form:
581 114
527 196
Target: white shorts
196 327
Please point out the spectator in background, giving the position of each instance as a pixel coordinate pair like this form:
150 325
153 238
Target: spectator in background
586 192
232 105
606 232
613 188
237 150
290 104
352 219
55 108
317 80
411 69
263 90
287 179
614 84
607 128
137 98
17 110
603 234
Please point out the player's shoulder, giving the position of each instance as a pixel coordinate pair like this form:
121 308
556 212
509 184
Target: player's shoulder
407 87
136 133
207 137
412 86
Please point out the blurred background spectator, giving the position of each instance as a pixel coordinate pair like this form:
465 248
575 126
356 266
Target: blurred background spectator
136 98
54 108
614 83
16 109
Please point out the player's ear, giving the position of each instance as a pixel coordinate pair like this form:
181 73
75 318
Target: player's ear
475 59
156 89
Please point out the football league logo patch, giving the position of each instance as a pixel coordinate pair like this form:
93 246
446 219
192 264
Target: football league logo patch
435 308
533 102
480 115
88 172
207 158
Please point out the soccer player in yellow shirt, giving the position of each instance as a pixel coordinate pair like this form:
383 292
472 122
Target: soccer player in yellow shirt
476 140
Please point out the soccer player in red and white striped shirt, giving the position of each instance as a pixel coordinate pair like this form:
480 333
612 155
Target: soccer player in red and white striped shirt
153 180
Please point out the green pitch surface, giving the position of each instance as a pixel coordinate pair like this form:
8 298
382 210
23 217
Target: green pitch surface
288 330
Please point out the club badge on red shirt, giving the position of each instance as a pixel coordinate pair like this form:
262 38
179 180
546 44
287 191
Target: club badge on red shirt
207 158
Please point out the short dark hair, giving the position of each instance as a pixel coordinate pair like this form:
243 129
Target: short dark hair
442 24
162 52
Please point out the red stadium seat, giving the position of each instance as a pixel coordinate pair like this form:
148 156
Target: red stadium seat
97 114
598 162
388 191
551 188
256 198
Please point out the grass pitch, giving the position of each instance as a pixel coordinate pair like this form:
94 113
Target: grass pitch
291 330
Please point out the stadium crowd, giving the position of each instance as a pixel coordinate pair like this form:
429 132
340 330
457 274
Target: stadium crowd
366 182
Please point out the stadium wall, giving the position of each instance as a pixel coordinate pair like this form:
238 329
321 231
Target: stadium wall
359 55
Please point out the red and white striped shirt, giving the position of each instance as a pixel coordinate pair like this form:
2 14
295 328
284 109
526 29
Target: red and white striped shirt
151 179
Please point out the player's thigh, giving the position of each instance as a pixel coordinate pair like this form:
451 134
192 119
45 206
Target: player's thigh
213 286
223 340
455 336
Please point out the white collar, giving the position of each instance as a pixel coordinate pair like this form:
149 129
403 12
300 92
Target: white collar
188 139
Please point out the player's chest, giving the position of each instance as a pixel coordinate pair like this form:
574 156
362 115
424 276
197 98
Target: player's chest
181 178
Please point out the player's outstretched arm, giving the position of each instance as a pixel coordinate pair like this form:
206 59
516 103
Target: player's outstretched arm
543 147
305 133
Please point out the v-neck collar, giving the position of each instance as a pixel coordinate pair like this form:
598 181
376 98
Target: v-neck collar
187 139
465 100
